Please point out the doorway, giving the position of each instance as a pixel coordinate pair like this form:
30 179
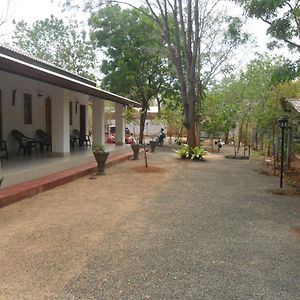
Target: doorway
83 119
48 116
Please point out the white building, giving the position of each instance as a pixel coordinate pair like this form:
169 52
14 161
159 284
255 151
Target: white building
38 95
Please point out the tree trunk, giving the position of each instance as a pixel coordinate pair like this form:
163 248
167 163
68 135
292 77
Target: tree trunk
190 126
240 135
245 142
158 107
226 137
142 126
256 140
262 141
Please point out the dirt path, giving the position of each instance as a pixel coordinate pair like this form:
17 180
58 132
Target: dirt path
210 231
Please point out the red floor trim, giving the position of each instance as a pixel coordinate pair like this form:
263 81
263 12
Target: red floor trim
30 188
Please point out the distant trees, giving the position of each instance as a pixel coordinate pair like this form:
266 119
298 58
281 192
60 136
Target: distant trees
64 45
252 100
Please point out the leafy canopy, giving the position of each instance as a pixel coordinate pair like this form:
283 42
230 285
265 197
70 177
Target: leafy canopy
283 17
64 45
135 61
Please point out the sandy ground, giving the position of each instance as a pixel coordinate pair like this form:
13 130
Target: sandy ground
103 238
47 239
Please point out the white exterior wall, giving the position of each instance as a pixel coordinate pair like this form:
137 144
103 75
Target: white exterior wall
13 115
150 128
60 123
120 122
98 121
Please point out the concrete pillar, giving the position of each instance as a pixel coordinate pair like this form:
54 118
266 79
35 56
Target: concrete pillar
98 127
120 124
60 123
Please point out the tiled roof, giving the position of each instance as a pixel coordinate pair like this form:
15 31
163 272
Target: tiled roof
26 57
296 104
15 62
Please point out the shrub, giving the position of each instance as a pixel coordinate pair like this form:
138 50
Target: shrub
197 152
98 148
183 152
192 153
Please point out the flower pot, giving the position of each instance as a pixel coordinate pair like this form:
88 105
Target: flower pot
152 145
136 149
101 158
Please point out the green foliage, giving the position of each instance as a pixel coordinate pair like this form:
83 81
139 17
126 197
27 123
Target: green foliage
288 90
136 62
284 70
282 16
197 152
220 113
172 113
296 149
129 114
55 41
183 151
251 100
199 37
98 148
193 153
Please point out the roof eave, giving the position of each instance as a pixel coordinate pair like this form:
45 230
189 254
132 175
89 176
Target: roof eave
25 69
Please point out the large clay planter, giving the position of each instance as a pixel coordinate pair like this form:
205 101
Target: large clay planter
152 145
136 149
101 158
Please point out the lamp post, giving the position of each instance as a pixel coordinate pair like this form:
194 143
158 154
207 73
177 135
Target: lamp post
282 123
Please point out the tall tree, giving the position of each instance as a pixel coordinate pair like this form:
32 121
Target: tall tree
282 16
199 37
135 63
64 45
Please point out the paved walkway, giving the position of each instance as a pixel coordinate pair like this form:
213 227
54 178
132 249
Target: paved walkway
183 230
68 172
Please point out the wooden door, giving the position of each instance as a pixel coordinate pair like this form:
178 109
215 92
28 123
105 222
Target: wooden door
82 119
48 116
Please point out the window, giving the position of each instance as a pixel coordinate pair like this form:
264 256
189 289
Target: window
71 113
27 109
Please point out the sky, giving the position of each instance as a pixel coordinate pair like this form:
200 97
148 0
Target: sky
27 10
33 10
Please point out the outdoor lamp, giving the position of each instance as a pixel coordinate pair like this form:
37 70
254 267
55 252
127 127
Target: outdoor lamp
282 123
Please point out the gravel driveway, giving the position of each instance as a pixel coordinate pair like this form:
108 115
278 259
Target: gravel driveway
181 230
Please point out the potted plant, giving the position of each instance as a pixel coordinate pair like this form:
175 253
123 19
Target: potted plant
136 149
101 157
